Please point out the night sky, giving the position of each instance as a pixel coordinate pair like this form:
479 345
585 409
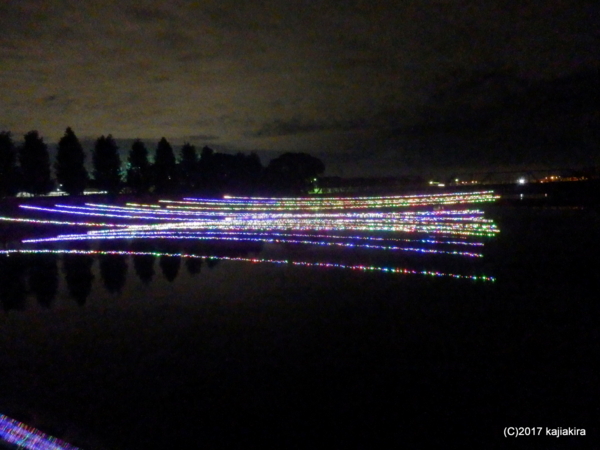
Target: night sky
371 87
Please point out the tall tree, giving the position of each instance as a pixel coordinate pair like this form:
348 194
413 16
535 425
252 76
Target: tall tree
35 165
138 172
293 172
78 273
107 165
13 287
164 167
206 168
8 165
247 171
43 278
188 162
70 170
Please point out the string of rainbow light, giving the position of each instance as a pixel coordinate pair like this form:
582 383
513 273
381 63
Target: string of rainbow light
361 268
137 213
300 235
370 197
333 202
154 212
461 229
480 227
27 437
59 222
459 222
200 237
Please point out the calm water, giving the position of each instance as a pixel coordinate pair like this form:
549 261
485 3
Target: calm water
142 352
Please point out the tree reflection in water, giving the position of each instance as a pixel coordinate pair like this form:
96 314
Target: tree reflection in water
143 264
38 274
169 265
13 289
77 270
193 265
113 268
43 278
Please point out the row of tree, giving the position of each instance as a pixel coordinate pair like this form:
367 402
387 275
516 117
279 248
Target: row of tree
38 275
27 168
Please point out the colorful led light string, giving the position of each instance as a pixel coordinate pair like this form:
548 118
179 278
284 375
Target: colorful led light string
445 229
299 235
361 268
335 202
174 212
200 237
465 222
27 437
59 222
289 221
318 199
340 202
101 210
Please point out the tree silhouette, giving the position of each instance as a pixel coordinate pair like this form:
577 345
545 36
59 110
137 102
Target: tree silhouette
35 164
293 172
70 170
223 171
211 263
113 271
113 268
164 167
78 275
138 173
206 168
188 162
13 290
107 165
169 265
43 278
245 174
193 265
9 183
143 264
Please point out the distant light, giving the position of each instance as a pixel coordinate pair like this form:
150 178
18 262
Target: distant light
456 180
441 184
521 181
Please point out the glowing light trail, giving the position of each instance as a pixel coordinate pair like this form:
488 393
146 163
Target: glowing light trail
335 202
199 237
297 235
26 437
361 268
302 221
59 222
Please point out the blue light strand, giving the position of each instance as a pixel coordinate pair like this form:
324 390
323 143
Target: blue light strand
30 438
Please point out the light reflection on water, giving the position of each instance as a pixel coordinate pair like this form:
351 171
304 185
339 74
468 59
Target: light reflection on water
81 267
171 351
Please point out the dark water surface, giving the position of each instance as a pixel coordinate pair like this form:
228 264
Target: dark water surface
124 352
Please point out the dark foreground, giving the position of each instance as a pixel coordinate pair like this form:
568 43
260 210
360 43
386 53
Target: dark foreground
294 357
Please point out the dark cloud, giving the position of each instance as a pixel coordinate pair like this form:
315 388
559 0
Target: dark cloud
202 137
350 77
300 126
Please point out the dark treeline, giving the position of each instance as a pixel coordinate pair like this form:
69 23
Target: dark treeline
25 276
26 167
